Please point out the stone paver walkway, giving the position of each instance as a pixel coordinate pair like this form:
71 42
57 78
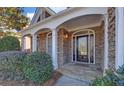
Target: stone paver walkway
67 81
77 75
79 72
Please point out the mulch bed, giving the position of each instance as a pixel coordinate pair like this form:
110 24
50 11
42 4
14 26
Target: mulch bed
50 82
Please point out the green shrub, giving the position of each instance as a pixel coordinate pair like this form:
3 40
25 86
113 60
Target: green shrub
120 74
37 67
9 43
110 79
10 63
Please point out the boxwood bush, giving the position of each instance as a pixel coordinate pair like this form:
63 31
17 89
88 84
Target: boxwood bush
9 43
37 67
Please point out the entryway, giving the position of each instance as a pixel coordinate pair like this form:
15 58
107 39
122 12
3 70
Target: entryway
84 46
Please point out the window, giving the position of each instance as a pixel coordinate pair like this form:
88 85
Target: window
39 19
47 14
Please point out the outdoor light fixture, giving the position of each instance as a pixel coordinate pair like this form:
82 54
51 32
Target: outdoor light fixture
66 36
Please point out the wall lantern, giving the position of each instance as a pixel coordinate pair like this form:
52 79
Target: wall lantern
66 35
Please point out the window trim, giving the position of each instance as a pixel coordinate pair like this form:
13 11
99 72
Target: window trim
47 36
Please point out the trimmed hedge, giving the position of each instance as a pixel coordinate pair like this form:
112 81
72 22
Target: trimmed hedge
37 67
9 43
17 65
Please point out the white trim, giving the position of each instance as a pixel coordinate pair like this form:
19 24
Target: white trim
89 46
22 43
66 15
34 42
119 37
93 32
54 49
105 42
47 41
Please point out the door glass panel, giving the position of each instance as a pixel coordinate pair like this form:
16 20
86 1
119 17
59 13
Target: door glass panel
91 48
82 48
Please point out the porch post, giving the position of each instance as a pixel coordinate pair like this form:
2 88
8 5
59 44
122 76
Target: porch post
119 37
22 43
34 42
105 42
54 48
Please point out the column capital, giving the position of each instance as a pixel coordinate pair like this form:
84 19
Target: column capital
54 32
105 17
106 14
53 29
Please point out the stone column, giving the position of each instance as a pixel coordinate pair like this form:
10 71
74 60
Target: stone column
111 38
105 42
54 48
119 37
34 42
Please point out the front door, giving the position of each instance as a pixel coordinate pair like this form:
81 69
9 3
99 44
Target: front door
82 48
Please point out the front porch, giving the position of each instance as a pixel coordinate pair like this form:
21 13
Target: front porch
80 71
78 45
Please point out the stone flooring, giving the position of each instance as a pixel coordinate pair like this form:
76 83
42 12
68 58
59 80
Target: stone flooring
80 72
67 81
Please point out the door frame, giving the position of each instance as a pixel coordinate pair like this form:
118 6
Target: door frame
89 31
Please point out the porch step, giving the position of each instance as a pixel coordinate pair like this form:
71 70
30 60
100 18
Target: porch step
79 72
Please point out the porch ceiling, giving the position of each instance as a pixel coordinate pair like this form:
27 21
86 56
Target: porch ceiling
82 22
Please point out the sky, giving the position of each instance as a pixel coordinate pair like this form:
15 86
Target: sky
29 11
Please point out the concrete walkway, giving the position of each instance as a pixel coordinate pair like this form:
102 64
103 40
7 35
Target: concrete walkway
67 81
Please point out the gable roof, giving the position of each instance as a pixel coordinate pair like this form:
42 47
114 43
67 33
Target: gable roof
49 10
49 18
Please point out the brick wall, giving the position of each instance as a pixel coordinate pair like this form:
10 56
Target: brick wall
111 37
62 47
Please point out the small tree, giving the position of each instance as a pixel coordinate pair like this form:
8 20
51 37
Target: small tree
12 18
